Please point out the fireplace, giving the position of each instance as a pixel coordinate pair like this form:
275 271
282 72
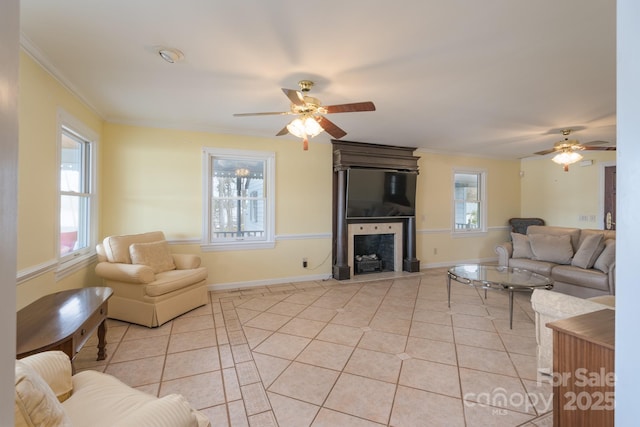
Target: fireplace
383 241
374 247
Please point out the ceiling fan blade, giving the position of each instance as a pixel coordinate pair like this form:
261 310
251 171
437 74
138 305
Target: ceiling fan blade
595 143
330 127
283 131
542 153
294 96
351 108
600 148
274 113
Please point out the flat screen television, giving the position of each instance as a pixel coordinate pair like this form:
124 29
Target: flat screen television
380 193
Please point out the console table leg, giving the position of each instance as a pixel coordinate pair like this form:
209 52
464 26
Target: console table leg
102 342
449 290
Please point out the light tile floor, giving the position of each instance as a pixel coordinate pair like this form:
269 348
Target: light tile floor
382 350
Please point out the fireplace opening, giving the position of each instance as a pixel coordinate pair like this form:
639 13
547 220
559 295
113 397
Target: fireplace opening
374 253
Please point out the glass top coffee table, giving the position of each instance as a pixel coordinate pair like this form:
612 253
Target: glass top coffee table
498 278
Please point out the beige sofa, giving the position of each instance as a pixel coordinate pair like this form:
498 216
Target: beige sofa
150 284
581 262
549 306
47 394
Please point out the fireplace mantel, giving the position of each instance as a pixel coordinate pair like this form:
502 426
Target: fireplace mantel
346 155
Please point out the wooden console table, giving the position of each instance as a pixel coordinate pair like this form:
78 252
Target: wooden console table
63 321
583 368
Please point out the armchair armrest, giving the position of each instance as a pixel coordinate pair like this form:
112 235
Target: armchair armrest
131 273
55 369
186 261
504 251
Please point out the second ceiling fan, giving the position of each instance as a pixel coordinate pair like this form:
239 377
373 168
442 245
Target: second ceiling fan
568 149
310 111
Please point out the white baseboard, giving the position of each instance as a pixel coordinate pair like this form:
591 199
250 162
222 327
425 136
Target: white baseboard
266 282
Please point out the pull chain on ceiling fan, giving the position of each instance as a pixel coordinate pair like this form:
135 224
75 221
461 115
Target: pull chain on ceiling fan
567 150
310 111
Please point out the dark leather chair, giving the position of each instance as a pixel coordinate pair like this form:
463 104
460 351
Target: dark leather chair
520 225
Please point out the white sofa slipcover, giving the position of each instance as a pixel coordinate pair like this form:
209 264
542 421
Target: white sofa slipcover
550 306
47 394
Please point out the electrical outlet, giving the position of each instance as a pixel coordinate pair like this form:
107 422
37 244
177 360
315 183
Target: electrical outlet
435 251
305 263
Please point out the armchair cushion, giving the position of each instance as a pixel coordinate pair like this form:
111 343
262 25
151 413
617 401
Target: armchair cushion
35 402
155 255
116 248
171 410
55 369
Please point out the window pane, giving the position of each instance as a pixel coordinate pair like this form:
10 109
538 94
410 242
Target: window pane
71 165
468 200
238 202
73 217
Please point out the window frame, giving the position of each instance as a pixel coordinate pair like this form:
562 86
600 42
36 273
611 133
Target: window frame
482 202
74 128
269 159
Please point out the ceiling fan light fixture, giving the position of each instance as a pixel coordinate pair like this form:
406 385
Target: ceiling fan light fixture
567 157
304 127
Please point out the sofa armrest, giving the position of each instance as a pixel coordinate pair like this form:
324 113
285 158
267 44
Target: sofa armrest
130 273
612 278
186 261
504 251
55 369
172 410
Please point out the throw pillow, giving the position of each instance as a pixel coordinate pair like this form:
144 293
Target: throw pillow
155 255
551 248
35 401
607 257
54 367
589 250
521 246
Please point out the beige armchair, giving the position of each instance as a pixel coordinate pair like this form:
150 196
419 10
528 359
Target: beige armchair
150 284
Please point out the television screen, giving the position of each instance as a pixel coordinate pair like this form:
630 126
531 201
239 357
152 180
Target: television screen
377 193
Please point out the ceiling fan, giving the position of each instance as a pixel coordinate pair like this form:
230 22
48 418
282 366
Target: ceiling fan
311 120
568 149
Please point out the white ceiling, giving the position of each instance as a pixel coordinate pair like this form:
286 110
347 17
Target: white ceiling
494 77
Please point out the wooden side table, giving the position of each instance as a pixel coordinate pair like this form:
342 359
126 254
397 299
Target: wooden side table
583 369
63 321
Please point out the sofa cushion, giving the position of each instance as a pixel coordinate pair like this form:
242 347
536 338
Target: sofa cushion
35 402
607 257
551 248
54 367
117 247
590 248
155 255
521 246
574 233
590 278
540 267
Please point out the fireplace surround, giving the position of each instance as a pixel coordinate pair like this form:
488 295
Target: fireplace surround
346 155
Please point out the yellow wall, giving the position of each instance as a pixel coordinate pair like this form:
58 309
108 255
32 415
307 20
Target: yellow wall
561 198
151 180
435 243
39 99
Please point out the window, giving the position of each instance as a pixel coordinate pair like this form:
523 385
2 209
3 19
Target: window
469 201
77 211
239 199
